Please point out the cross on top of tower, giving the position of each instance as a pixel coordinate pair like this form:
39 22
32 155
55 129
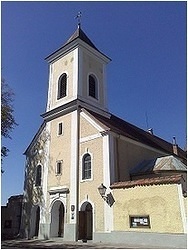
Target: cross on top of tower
78 17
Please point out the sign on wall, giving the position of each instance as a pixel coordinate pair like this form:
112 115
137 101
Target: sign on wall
139 221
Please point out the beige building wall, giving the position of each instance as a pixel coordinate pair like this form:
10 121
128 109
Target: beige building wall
130 154
89 188
160 202
92 66
64 64
60 150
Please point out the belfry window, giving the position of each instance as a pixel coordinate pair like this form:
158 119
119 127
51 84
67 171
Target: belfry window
62 86
93 91
86 167
38 176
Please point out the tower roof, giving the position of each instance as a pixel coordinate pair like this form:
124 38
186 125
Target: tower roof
78 34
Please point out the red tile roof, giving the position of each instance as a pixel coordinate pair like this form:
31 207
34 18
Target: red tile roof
147 181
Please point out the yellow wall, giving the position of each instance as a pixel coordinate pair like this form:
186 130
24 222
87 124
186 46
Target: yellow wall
88 188
60 150
160 202
63 65
86 129
90 65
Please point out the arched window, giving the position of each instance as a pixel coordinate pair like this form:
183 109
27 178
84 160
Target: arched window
93 90
38 176
86 167
62 86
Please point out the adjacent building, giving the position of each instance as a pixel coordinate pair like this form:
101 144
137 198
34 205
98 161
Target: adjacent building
11 217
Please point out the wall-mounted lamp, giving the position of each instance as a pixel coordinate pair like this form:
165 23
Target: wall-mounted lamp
102 190
108 198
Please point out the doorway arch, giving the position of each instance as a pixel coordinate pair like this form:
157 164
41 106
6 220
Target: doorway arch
57 219
86 222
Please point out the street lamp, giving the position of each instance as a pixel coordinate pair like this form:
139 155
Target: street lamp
108 198
102 190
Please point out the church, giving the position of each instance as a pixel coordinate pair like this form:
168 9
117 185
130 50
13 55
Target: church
89 175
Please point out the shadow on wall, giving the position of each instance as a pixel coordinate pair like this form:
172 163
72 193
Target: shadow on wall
33 200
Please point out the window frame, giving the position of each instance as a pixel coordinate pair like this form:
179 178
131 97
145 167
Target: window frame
85 168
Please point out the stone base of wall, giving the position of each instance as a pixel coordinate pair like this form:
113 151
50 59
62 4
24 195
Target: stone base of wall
70 232
158 240
44 232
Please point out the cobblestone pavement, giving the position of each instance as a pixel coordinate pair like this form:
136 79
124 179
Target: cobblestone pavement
59 244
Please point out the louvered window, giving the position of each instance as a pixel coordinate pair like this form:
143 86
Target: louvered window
62 86
92 87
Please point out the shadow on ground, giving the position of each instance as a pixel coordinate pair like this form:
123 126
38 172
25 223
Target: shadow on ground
47 244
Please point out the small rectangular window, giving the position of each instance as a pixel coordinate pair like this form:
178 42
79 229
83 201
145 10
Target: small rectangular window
60 128
59 168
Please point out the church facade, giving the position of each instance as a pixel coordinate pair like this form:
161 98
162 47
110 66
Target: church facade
90 175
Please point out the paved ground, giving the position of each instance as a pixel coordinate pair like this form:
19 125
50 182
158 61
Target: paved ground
59 244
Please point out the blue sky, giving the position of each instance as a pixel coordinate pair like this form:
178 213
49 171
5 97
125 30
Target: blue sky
146 79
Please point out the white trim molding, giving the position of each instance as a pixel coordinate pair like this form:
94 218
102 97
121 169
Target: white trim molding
91 121
108 211
73 170
182 208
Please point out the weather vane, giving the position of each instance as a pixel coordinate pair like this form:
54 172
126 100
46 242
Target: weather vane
78 17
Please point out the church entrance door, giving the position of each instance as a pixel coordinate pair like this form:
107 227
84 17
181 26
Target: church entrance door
33 230
57 219
86 222
37 221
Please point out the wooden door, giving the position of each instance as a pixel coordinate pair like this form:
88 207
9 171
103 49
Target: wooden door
61 221
37 221
82 234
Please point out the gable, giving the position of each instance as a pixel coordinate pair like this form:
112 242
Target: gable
90 126
35 138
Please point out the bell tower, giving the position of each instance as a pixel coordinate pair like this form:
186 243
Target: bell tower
77 71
